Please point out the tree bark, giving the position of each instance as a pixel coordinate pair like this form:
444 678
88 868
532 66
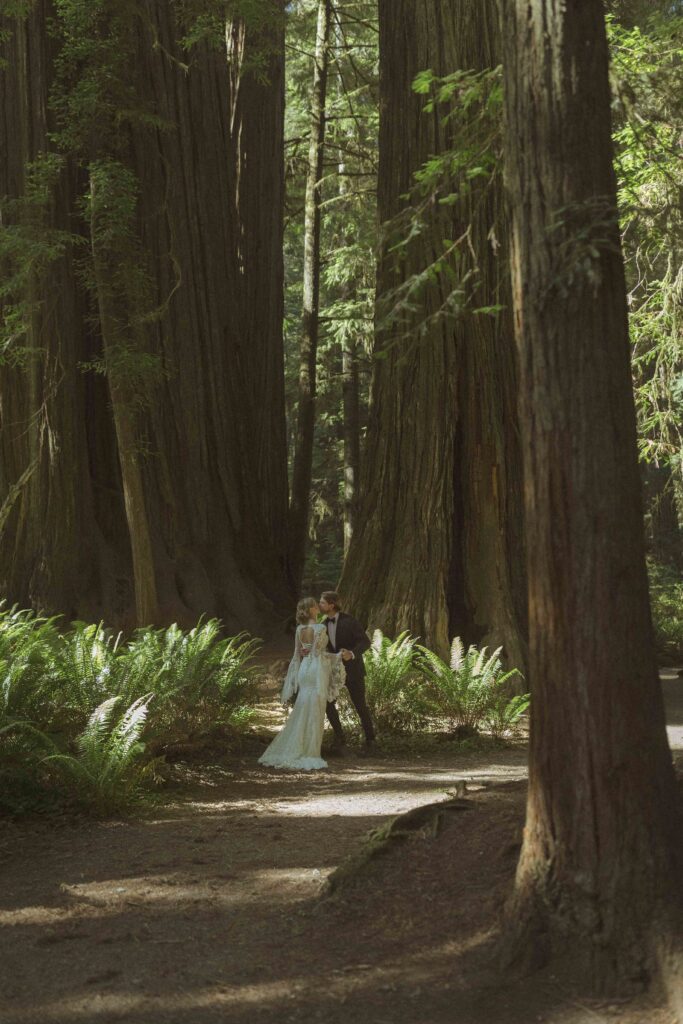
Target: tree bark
600 868
303 448
351 417
62 541
350 382
257 62
116 313
216 511
438 546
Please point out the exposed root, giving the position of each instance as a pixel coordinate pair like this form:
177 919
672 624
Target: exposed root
426 820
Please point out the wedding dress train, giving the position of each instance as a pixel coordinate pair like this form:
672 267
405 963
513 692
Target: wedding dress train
316 677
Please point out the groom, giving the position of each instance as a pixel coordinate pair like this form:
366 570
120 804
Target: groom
348 636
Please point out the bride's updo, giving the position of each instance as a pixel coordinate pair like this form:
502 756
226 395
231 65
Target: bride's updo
303 610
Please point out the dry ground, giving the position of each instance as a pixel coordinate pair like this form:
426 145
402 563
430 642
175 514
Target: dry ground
209 909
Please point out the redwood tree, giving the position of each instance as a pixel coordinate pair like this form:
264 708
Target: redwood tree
149 88
310 326
438 542
600 867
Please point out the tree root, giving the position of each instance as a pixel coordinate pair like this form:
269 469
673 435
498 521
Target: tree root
427 820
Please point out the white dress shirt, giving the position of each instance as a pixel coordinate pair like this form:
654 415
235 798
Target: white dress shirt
332 629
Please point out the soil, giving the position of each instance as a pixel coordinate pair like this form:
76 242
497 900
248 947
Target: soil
213 907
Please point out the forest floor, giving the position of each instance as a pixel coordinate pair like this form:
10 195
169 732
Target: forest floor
211 907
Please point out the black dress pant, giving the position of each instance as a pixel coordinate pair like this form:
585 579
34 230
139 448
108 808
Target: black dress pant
356 688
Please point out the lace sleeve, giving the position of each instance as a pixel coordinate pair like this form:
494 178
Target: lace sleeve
336 675
291 684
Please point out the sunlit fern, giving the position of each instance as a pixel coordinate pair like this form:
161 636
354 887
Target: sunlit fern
471 689
106 774
394 692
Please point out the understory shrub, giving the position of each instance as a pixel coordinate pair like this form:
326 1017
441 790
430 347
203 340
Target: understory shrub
82 711
395 696
409 688
666 598
472 689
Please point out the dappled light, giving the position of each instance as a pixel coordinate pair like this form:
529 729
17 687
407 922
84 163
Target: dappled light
341 512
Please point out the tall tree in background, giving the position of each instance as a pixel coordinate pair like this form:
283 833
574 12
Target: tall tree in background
310 327
601 858
62 529
185 363
257 63
349 340
439 532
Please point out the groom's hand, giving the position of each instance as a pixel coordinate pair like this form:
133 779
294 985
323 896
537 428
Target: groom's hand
346 655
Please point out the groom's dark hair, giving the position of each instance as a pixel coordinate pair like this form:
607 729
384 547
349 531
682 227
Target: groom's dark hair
332 597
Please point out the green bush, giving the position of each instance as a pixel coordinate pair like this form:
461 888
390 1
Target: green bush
666 598
74 705
199 680
471 690
107 772
394 691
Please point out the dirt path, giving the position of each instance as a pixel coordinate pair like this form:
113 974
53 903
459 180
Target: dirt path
208 910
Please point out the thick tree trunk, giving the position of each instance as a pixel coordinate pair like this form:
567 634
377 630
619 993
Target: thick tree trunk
63 546
216 511
257 62
351 417
303 448
437 549
601 857
350 381
116 313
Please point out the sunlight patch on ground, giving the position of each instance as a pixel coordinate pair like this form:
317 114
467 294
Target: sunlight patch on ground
35 915
387 794
675 736
349 977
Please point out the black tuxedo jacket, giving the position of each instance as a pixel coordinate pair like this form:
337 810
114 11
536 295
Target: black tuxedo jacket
351 635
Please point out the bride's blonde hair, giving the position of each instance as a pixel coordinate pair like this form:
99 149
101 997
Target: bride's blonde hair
303 610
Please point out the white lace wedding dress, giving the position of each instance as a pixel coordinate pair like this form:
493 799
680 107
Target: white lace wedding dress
316 677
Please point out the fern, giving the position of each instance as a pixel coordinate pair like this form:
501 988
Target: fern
62 727
394 693
471 690
105 773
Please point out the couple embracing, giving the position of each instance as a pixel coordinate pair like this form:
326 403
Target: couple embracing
327 656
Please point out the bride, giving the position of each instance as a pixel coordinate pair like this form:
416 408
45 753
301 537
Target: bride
316 677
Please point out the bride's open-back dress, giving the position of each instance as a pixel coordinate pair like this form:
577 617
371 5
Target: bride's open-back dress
316 677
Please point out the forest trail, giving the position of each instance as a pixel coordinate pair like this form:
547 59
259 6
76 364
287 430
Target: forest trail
208 909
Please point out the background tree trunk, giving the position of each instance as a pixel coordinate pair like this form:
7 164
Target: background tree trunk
63 544
216 510
351 417
438 546
601 857
303 449
257 61
117 314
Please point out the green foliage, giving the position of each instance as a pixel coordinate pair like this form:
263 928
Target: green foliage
199 680
29 245
648 89
74 704
666 598
106 774
472 689
411 689
348 242
430 246
395 697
